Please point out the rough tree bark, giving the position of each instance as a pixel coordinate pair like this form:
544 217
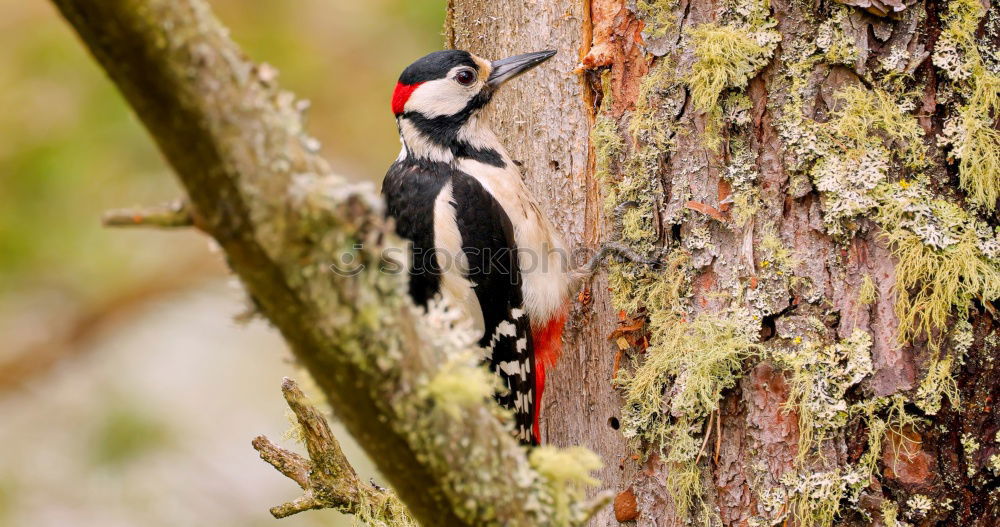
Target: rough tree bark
822 347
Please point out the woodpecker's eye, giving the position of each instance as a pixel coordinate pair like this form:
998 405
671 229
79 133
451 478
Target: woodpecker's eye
465 77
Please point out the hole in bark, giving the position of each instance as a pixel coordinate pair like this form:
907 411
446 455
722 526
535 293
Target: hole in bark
613 423
767 328
675 231
554 164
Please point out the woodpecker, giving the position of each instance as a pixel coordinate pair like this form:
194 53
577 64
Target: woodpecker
478 236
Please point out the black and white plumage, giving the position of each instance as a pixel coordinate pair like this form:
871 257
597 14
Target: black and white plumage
477 235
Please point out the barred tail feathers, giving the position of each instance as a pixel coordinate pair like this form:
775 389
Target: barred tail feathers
509 356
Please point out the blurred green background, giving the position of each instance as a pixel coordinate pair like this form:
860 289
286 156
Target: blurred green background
128 393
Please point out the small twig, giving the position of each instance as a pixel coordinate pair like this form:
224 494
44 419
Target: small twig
622 251
292 465
173 215
617 365
718 436
707 210
587 271
326 476
708 434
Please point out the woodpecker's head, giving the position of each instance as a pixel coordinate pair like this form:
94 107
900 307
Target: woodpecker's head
437 95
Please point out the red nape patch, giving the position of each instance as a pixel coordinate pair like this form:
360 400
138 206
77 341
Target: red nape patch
401 95
547 342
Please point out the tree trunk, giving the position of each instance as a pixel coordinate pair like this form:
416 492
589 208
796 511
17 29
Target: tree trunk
821 180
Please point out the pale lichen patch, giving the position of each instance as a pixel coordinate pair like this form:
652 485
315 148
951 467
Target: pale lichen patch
820 378
694 363
943 263
918 506
971 132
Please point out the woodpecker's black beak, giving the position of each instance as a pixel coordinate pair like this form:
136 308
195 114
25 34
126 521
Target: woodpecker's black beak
510 67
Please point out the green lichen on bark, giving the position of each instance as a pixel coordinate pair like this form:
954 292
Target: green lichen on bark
565 476
743 175
860 141
939 382
697 360
820 377
658 16
867 292
870 163
971 132
385 512
693 363
630 186
727 56
947 259
817 497
831 38
628 173
869 136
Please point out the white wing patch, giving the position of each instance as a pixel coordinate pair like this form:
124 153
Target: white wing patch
452 261
510 368
525 398
504 329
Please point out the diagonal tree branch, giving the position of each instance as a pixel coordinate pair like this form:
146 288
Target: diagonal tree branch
287 225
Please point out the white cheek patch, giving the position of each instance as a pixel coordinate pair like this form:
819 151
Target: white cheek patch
420 145
441 97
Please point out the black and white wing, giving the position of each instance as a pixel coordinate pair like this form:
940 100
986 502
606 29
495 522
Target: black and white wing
413 190
488 244
410 190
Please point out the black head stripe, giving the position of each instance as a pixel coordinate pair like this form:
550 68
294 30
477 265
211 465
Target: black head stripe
436 66
443 130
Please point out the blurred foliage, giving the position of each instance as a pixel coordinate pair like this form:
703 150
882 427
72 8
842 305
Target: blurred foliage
72 148
125 433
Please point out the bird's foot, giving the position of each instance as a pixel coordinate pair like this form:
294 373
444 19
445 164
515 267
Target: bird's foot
618 250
